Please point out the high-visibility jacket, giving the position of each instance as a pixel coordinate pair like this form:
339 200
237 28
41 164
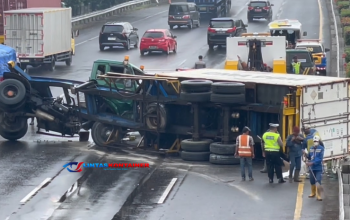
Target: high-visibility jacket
244 149
296 67
271 141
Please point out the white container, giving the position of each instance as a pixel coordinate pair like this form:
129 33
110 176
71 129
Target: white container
38 32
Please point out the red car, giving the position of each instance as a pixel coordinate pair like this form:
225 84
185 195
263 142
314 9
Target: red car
158 40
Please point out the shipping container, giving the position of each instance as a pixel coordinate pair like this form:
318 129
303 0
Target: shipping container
6 5
39 33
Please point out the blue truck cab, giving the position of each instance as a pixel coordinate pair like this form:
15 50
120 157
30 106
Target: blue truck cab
213 8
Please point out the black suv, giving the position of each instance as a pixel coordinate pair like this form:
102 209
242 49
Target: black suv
259 9
121 34
221 28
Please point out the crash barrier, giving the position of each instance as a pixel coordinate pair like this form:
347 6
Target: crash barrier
97 15
344 192
339 74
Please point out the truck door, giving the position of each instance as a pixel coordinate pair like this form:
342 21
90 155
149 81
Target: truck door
325 108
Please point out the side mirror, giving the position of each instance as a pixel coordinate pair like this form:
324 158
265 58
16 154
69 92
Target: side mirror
174 36
245 25
135 29
304 33
326 50
315 58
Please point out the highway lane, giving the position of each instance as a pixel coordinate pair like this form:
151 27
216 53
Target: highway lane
191 43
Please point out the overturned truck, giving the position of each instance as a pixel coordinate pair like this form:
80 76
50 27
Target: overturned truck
199 111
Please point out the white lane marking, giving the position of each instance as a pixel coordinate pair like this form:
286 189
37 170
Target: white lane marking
35 190
151 16
7 218
167 191
182 62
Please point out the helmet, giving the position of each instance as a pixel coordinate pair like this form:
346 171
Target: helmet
316 138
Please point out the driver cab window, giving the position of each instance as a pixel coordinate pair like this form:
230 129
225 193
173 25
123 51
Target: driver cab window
192 8
101 69
238 23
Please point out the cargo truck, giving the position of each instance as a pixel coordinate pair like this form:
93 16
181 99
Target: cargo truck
6 5
214 8
41 36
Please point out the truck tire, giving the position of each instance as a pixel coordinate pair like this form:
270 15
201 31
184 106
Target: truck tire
151 122
102 48
18 89
195 97
196 85
223 159
100 134
69 61
190 145
12 126
222 149
52 66
228 88
13 136
195 156
227 98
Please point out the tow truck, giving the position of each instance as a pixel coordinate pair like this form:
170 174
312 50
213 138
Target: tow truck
318 52
256 51
291 29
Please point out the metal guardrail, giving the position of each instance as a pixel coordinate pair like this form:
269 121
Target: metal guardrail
97 15
336 38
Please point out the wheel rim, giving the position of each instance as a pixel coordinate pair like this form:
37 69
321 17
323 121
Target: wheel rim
10 91
104 133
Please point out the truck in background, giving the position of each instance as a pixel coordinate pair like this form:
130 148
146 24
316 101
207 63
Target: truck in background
213 8
41 36
6 5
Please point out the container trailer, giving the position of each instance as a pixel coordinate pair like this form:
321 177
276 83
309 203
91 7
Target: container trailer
41 36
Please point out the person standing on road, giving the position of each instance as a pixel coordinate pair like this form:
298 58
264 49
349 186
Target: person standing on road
200 64
315 158
294 143
295 66
272 143
245 150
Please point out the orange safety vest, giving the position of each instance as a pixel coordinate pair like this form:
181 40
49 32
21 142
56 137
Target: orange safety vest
244 149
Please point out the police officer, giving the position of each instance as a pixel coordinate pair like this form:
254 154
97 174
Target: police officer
272 143
295 66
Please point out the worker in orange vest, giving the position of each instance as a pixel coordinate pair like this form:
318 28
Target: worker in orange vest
245 150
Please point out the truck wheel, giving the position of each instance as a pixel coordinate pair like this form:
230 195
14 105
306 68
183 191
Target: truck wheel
223 159
196 85
13 136
227 98
190 26
69 61
211 46
228 88
102 48
222 149
151 117
195 156
100 134
12 92
12 125
52 65
195 97
190 145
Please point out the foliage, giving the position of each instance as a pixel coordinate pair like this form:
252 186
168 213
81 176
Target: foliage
345 13
343 5
345 21
348 70
347 35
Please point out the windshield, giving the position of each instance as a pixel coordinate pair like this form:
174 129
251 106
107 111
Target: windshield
113 28
258 4
221 24
313 49
174 9
153 35
303 57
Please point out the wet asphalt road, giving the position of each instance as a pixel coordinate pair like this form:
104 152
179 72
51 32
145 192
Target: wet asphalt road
201 191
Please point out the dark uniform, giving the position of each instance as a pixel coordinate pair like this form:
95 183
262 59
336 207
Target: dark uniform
272 144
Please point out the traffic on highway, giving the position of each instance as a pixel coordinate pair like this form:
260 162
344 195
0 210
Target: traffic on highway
114 121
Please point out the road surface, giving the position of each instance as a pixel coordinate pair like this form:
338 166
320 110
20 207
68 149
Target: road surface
170 189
